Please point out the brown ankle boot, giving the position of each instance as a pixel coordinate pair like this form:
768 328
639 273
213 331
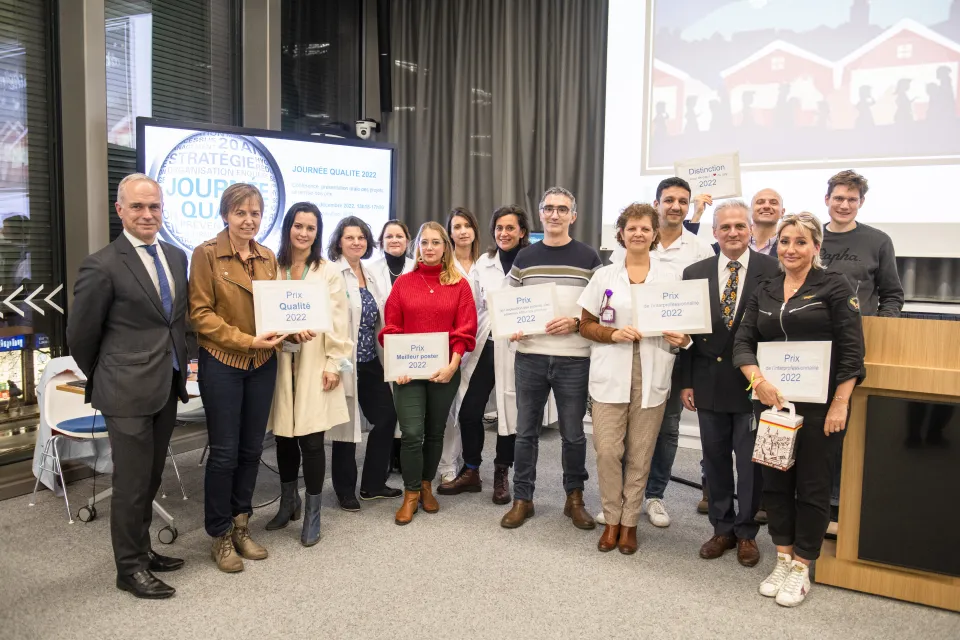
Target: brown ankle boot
575 510
245 545
608 541
408 508
467 480
501 484
427 499
628 540
225 555
522 509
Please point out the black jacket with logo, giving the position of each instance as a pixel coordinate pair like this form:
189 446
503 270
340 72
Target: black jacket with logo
824 308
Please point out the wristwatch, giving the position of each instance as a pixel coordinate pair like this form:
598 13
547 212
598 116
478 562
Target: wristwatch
577 321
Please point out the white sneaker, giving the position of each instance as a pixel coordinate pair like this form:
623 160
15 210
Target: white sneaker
796 587
657 512
770 587
600 519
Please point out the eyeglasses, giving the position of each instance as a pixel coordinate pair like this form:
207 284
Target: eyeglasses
549 209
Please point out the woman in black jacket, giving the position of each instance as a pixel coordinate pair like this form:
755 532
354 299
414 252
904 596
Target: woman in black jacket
804 303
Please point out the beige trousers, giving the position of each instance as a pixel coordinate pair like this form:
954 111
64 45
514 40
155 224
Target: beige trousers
624 436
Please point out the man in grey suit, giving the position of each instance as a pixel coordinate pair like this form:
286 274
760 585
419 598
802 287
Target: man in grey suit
127 333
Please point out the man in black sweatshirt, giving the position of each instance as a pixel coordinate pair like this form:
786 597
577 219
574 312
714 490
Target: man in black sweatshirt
862 253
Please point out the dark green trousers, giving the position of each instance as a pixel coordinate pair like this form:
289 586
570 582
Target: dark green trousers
422 410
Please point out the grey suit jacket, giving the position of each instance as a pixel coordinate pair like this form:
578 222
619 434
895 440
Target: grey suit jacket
119 336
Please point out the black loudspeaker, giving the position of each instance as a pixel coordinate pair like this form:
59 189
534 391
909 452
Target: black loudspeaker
383 57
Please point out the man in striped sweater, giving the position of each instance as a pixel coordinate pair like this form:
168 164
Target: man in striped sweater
558 360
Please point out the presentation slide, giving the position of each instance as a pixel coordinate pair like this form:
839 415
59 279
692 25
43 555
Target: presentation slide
801 90
194 166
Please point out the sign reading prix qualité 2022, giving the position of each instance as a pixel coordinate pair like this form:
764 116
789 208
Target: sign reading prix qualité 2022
195 174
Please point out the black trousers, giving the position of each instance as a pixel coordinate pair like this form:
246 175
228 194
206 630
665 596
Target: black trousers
314 460
798 499
725 436
472 409
376 403
139 447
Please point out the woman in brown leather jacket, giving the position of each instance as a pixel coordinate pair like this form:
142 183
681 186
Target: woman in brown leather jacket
237 370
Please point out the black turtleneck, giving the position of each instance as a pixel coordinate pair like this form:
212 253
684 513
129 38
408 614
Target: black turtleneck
507 258
395 265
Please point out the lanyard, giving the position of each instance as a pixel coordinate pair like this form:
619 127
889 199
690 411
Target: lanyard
302 277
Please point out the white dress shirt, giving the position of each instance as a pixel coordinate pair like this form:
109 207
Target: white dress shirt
684 251
724 274
148 263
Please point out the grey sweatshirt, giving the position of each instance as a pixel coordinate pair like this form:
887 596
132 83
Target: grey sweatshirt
865 255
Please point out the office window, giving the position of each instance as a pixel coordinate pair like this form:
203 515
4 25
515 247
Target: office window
31 250
174 59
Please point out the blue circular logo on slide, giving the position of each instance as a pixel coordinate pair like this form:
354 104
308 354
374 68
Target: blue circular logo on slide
195 174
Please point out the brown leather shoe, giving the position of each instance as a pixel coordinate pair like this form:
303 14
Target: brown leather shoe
501 484
704 505
747 553
225 554
608 541
430 504
408 508
468 480
241 539
575 510
518 514
628 540
716 546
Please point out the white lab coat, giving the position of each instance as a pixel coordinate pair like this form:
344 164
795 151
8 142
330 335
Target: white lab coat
351 431
611 364
381 271
492 278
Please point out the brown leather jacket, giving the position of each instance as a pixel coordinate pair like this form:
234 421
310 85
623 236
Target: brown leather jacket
221 295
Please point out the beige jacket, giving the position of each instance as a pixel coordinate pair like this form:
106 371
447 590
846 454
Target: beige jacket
311 409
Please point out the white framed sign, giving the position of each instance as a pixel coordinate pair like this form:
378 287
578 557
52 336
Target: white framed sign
291 306
717 175
680 305
526 309
417 355
799 370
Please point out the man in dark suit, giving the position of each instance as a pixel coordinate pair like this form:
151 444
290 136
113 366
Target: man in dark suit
127 333
713 387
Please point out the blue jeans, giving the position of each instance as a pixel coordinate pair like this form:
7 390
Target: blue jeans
665 451
237 404
536 375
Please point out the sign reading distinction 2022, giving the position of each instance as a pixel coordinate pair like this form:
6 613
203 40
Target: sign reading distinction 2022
194 168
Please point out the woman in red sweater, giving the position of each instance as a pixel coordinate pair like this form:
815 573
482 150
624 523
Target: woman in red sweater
433 298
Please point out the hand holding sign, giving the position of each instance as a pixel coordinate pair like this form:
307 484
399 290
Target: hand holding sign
291 306
717 175
415 356
519 311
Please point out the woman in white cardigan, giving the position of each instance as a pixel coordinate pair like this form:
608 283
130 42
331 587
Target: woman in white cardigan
309 399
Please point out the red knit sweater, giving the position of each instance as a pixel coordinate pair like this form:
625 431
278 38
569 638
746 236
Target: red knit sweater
411 308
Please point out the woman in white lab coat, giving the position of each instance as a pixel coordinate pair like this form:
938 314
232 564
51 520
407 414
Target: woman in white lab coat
394 260
627 409
365 388
491 363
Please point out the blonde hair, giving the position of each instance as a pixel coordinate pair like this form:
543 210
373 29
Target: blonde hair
449 273
807 222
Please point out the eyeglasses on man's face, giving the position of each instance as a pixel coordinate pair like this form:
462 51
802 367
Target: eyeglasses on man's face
551 209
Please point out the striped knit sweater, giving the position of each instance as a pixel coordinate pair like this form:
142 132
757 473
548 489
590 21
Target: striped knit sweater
570 267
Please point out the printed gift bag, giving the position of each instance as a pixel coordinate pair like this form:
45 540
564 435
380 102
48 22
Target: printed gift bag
777 437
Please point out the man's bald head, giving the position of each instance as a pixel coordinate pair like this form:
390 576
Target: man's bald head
767 207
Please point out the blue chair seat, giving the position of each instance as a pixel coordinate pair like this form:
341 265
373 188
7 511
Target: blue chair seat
84 425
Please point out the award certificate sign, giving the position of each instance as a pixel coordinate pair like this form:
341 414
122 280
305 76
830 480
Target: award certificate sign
291 306
417 355
717 175
526 309
681 305
799 370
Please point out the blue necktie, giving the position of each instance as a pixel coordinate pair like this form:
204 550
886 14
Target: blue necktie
165 298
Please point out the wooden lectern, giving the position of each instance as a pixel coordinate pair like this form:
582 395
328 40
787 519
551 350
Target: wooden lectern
917 361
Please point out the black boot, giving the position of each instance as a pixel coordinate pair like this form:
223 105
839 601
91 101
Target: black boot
311 522
290 505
